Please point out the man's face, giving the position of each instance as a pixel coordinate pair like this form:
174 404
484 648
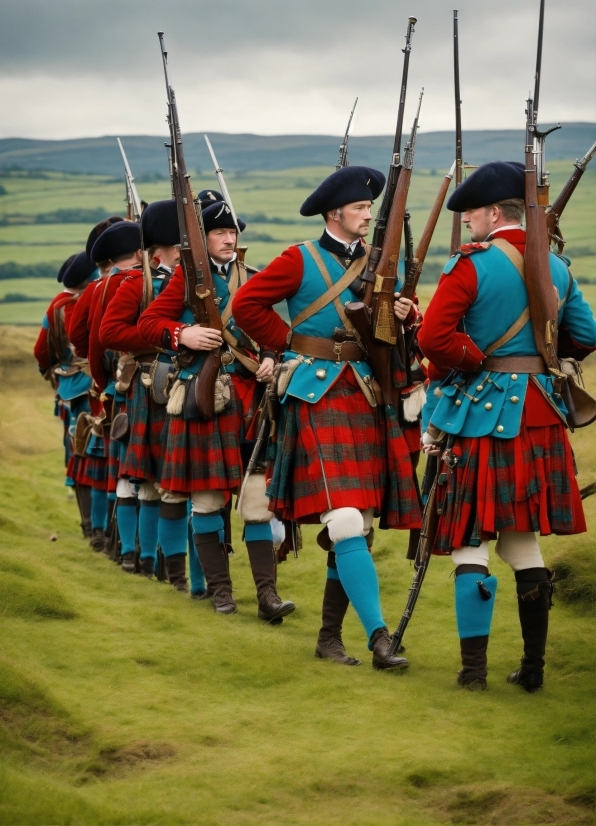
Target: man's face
479 222
168 256
221 244
352 220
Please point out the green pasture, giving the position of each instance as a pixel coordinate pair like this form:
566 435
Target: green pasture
124 702
275 195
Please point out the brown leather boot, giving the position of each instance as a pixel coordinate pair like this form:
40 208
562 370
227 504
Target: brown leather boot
380 643
83 494
147 566
330 644
534 592
474 668
213 556
129 563
272 608
176 571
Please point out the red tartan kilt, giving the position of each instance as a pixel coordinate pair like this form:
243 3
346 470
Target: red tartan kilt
333 454
522 484
146 421
200 455
77 470
92 471
116 450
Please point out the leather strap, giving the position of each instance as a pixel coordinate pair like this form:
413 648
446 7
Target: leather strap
237 278
355 270
326 348
515 364
512 253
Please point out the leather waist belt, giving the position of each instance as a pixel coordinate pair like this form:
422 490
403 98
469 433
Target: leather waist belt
515 364
326 348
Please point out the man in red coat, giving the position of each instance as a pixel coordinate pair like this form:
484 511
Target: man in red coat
511 471
339 458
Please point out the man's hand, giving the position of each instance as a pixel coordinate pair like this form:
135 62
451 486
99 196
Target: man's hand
200 338
429 446
401 307
265 371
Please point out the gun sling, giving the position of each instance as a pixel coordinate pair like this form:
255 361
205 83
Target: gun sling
237 278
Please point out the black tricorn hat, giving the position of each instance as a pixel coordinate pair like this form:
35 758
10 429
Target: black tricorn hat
160 224
490 183
345 186
80 269
98 229
122 238
65 266
218 215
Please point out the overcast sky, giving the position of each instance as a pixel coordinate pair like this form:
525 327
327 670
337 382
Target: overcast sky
80 68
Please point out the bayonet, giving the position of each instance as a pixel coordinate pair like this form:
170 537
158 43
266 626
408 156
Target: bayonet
222 183
133 202
343 149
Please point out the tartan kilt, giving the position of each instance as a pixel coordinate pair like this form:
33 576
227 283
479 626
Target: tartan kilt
203 455
146 421
96 472
522 484
338 453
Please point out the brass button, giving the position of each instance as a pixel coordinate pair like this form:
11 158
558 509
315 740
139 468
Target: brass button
321 373
475 401
514 377
500 428
488 406
311 395
458 402
479 388
515 399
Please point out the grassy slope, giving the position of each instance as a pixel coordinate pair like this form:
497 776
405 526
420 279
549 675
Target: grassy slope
123 702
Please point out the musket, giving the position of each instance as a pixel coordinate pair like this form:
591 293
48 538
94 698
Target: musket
343 149
134 209
200 297
542 299
264 424
376 324
222 183
539 137
414 264
459 163
553 214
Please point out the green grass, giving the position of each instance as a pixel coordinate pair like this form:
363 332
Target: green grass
123 702
276 194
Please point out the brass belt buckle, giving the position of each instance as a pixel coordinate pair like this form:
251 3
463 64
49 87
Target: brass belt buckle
337 349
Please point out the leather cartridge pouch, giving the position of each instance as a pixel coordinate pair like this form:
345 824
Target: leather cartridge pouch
160 373
283 374
125 372
75 366
120 427
222 393
82 433
580 404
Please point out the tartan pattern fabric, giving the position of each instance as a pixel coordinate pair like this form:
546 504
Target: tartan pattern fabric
522 484
203 455
93 472
334 454
146 420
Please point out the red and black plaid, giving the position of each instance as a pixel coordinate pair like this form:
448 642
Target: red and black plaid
146 421
522 484
116 450
199 455
334 454
95 473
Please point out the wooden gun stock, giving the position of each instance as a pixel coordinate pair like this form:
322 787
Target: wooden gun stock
379 353
205 384
553 214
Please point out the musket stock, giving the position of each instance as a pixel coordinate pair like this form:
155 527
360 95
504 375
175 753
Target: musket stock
553 214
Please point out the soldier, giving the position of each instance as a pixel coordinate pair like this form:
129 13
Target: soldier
68 373
202 459
146 372
513 470
336 461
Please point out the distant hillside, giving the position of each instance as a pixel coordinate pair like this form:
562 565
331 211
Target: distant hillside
147 155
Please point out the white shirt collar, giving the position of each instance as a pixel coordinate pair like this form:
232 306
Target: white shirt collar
351 247
224 267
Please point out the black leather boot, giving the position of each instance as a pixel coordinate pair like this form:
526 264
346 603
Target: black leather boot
380 643
98 540
474 663
272 608
129 563
330 645
147 566
83 494
213 556
534 592
176 571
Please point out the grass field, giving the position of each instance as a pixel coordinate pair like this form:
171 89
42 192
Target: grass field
275 195
124 702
